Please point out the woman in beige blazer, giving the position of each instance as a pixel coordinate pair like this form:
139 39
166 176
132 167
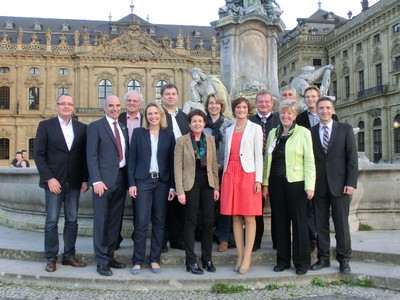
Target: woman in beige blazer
197 186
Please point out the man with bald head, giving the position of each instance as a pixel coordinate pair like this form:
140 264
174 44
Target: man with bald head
132 118
107 147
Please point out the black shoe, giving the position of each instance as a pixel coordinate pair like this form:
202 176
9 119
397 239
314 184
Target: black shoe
116 265
256 247
194 269
320 265
164 250
345 268
301 271
313 246
209 266
104 270
280 268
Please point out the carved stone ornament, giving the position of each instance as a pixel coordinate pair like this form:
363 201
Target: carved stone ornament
5 80
5 132
33 80
133 45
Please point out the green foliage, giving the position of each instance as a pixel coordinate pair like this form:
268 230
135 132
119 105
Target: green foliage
337 282
365 227
318 282
362 281
290 285
224 288
272 286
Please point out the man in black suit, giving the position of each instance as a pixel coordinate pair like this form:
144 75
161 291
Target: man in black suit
132 119
307 119
336 172
177 122
267 120
107 147
60 156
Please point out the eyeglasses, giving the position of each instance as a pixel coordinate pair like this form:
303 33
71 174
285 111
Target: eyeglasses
65 104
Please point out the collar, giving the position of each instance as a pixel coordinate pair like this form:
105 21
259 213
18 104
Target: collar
110 120
267 116
137 117
329 125
62 122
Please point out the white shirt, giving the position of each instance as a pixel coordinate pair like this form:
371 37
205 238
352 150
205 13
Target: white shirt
175 126
153 159
313 118
321 131
122 163
68 132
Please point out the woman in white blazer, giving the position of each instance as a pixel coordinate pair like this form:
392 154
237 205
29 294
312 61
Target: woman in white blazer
241 181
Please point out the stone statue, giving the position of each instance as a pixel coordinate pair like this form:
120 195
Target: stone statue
308 76
231 8
179 40
202 86
271 10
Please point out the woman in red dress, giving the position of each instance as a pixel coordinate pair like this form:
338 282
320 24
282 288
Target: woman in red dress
241 181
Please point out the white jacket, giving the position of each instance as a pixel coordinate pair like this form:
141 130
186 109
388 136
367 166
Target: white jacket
250 149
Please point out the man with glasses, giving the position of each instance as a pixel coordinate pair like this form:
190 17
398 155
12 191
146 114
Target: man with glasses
60 156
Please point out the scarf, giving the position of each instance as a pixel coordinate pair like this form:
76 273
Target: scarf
215 127
200 152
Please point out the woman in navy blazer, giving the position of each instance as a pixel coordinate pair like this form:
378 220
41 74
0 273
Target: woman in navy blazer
151 182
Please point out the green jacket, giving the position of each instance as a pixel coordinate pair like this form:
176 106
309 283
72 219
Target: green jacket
300 165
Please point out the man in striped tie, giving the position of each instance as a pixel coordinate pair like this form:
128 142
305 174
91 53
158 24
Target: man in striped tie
336 172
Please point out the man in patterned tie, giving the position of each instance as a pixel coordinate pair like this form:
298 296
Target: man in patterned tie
336 173
267 120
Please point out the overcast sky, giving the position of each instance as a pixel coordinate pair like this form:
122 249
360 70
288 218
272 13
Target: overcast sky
184 12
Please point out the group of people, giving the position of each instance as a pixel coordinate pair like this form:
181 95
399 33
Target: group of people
178 169
20 160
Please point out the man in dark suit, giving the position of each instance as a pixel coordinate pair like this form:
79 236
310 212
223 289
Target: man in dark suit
177 122
132 119
307 119
267 120
60 156
107 147
336 172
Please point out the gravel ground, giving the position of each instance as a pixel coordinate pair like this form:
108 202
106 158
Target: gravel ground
11 291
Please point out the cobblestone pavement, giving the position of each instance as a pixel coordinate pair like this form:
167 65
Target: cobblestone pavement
342 292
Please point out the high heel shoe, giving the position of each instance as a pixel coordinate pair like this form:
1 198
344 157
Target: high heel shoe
194 269
243 271
236 269
209 266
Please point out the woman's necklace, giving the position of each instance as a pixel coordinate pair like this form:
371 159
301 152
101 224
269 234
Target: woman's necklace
240 127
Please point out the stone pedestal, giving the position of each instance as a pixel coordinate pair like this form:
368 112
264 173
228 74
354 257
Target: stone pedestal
249 60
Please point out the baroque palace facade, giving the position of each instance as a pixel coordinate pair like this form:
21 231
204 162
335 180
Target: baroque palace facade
43 58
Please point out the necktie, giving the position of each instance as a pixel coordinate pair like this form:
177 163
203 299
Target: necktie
118 139
325 139
264 129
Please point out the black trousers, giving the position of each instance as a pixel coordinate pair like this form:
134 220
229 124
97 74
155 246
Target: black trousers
201 196
340 207
289 206
259 227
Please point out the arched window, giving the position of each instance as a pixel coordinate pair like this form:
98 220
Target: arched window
63 91
134 85
377 139
4 97
4 148
31 144
34 98
105 90
396 134
34 70
4 70
159 85
63 71
361 137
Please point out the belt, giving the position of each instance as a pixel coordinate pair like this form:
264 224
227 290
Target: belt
154 175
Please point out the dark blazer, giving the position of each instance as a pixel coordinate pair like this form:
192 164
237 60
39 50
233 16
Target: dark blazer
303 120
181 119
272 122
122 118
339 166
102 152
54 160
140 156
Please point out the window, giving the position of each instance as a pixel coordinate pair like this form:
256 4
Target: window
361 80
377 139
359 47
377 38
396 134
4 97
396 28
347 86
4 148
345 54
333 60
63 91
134 85
159 85
34 70
396 64
361 137
378 69
317 62
105 90
31 144
4 70
34 98
334 88
293 66
284 71
63 71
